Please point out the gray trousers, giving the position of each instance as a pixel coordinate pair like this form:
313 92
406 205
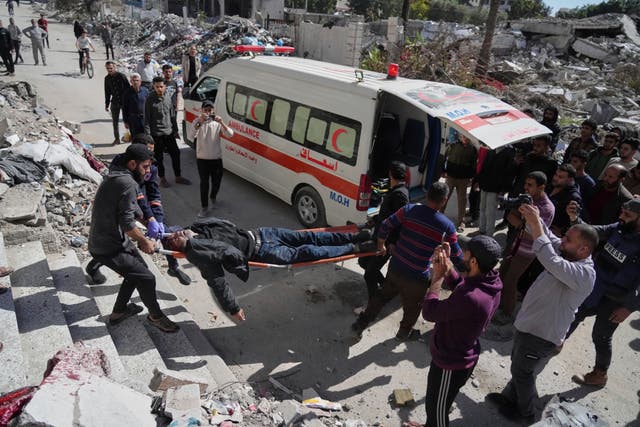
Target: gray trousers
38 47
529 356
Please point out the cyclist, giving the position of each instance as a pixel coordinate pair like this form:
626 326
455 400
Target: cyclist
83 44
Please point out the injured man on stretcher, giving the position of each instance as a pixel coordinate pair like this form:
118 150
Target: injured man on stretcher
214 245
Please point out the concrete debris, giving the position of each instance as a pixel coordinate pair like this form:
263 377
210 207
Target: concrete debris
182 405
163 379
21 202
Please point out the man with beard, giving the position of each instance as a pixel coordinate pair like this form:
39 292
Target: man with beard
550 120
564 191
608 197
113 224
547 309
616 292
537 160
600 157
459 320
147 69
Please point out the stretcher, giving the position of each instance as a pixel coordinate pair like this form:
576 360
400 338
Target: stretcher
352 228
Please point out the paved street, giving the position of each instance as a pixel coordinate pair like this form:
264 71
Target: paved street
297 326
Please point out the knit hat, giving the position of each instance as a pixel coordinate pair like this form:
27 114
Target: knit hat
485 250
633 205
138 152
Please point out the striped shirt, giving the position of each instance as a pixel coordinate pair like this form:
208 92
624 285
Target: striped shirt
421 229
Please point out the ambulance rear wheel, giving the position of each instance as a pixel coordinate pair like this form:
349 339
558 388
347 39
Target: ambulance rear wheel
309 208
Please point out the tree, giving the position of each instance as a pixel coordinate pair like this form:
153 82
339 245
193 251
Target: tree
419 9
519 9
485 51
376 9
317 6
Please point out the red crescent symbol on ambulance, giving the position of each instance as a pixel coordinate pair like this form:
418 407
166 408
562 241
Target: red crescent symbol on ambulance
334 139
253 110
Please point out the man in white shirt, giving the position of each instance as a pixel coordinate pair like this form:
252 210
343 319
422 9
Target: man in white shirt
206 129
548 308
147 70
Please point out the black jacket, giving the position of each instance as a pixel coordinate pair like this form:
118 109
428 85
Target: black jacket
220 246
560 201
114 88
396 198
498 170
115 210
555 133
5 40
532 163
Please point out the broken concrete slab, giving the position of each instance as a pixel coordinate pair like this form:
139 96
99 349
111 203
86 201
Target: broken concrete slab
102 403
550 27
163 379
560 43
182 404
593 50
21 202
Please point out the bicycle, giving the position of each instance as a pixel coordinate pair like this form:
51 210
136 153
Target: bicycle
86 63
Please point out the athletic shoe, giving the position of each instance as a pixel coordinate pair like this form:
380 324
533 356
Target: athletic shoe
182 277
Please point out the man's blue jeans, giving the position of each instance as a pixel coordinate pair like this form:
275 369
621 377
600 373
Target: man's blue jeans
284 246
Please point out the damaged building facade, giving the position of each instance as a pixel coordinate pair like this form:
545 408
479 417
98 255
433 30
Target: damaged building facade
211 8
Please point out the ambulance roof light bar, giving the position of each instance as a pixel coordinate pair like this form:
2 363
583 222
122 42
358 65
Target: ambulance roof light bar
245 48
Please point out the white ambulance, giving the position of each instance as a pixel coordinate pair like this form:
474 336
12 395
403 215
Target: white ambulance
316 134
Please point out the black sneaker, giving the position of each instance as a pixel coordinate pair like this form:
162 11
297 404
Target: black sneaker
97 278
410 335
369 246
182 277
359 325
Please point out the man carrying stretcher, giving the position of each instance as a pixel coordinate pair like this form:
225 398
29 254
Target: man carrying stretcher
214 245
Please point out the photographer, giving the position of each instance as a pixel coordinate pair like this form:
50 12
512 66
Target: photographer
206 129
520 255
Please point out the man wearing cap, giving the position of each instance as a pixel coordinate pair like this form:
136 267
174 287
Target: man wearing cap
459 320
548 308
113 220
616 293
206 129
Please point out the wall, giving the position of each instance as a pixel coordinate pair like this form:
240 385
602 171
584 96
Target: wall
339 45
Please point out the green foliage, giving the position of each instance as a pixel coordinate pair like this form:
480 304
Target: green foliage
419 9
375 60
519 9
373 10
610 6
315 6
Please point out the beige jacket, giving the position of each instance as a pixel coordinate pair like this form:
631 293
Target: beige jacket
185 67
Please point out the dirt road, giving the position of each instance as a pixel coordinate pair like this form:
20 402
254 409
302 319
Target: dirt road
297 324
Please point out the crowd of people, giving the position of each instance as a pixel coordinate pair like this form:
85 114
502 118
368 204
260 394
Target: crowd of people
11 41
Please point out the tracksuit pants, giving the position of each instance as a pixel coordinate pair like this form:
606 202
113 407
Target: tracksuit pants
443 386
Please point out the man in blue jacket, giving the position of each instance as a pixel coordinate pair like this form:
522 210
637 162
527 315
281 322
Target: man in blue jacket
616 293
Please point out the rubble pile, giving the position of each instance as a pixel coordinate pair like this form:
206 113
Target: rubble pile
586 67
47 176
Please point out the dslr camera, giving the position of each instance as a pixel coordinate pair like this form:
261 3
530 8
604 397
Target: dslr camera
508 203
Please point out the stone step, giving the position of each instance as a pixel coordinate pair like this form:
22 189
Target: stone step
12 374
137 351
43 328
188 350
83 317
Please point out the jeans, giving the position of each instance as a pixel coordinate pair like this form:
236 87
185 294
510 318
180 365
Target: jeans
284 246
529 356
16 47
488 210
81 54
166 143
412 292
136 124
603 329
110 46
129 264
373 277
209 169
511 270
443 386
7 59
115 119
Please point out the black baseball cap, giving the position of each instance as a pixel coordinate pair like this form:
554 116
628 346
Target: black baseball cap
138 152
485 250
208 103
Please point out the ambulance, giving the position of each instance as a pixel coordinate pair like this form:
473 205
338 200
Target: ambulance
316 135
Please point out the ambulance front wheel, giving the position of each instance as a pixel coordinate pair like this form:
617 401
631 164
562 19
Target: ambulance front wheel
309 208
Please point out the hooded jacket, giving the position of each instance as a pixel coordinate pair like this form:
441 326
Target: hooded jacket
461 318
498 170
115 210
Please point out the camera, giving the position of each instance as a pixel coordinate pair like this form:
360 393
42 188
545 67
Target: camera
508 203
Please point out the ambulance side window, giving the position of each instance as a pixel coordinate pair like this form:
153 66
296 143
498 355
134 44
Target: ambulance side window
257 109
279 117
206 90
231 91
300 121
